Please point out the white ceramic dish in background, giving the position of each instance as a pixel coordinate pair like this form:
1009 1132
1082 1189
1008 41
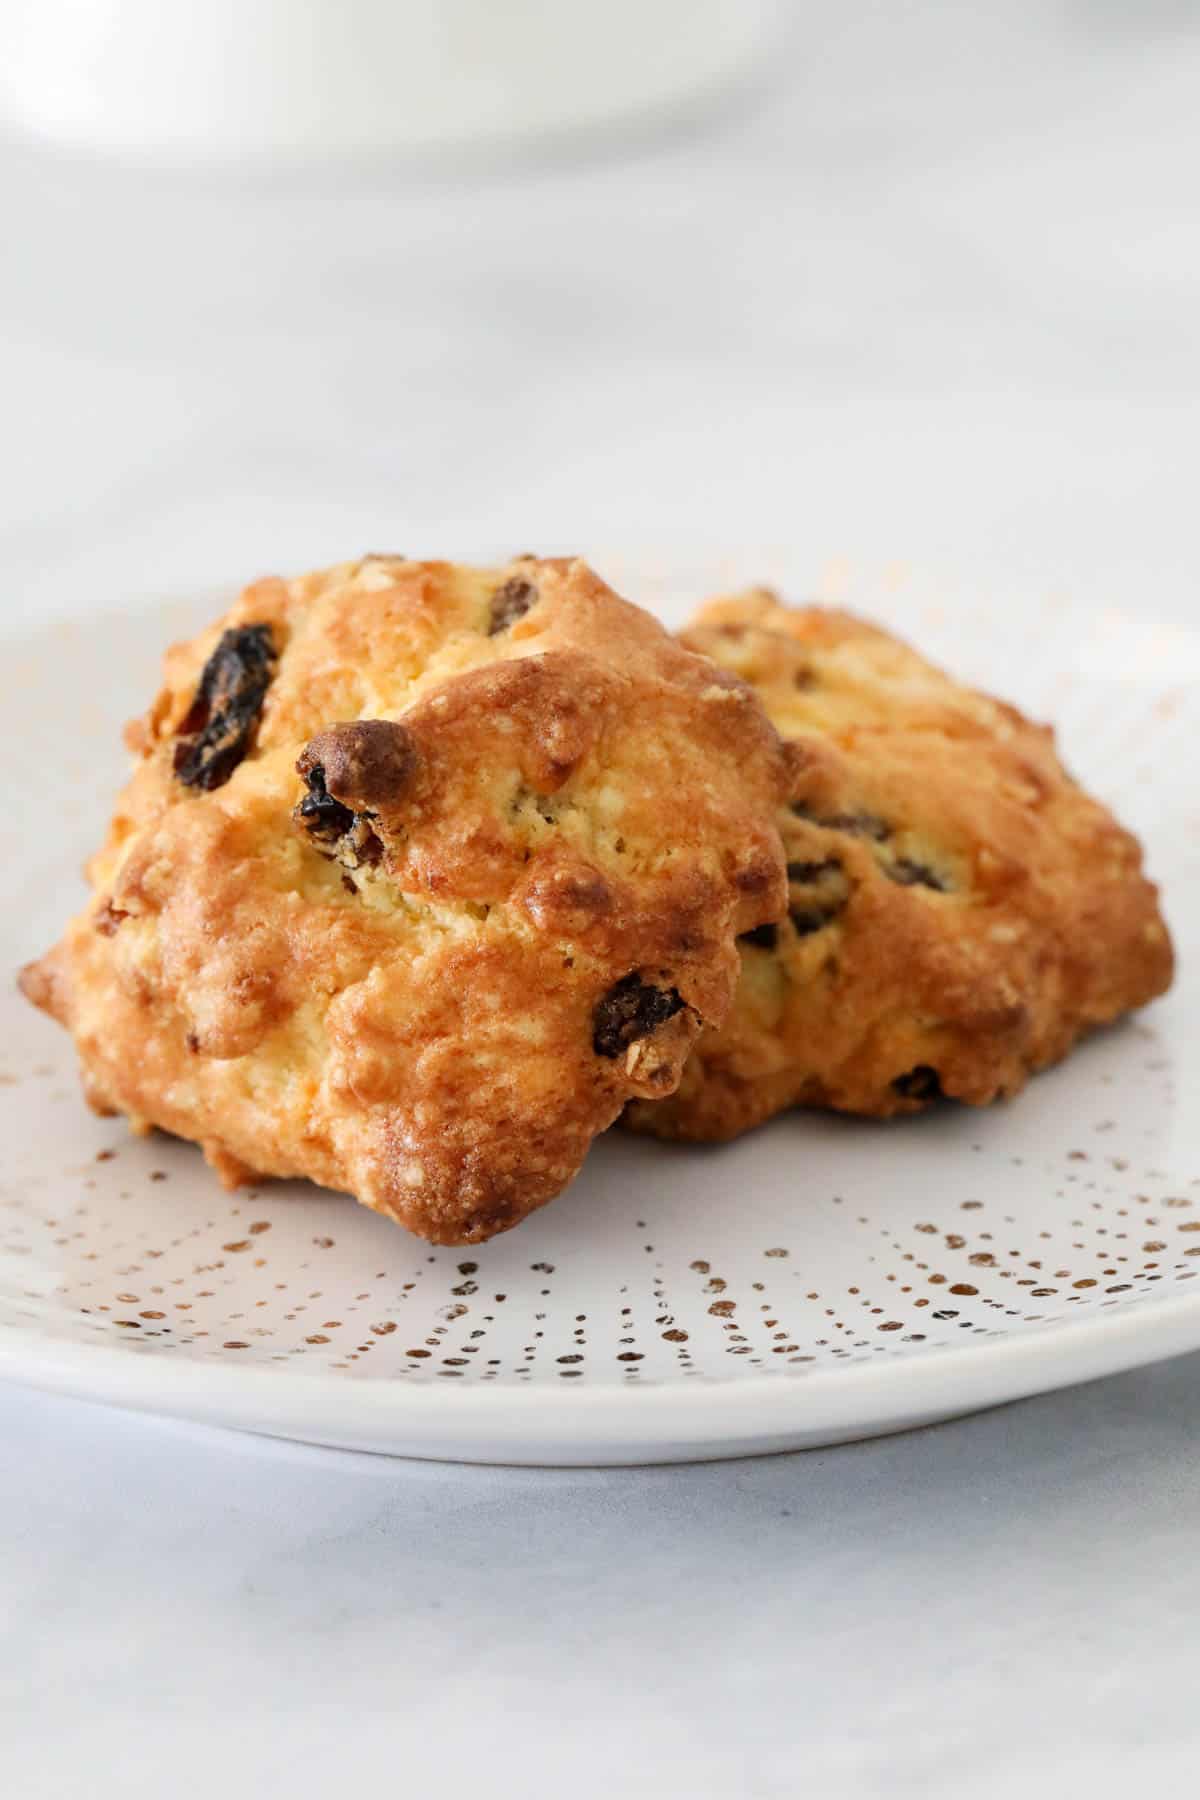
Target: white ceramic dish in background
203 79
821 1280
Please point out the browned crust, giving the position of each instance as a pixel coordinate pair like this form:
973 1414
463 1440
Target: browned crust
405 1010
991 911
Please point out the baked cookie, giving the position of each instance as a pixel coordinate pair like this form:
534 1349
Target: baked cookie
401 896
960 910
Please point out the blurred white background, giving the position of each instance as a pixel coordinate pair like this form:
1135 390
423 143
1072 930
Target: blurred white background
216 79
924 292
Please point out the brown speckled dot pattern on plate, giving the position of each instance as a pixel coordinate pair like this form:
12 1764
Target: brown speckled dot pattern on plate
816 1244
131 1242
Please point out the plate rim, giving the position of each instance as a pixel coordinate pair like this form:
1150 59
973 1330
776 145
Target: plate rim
609 1425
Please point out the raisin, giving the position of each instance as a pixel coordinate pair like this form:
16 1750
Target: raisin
805 873
630 1010
868 825
323 817
806 920
367 764
921 1083
510 602
351 770
907 873
763 937
214 736
361 847
348 834
859 824
827 897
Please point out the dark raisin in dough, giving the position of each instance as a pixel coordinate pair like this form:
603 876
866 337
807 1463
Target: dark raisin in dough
215 735
354 771
921 1083
907 873
826 899
350 836
510 602
859 824
631 1010
323 817
367 764
805 873
807 920
763 937
868 825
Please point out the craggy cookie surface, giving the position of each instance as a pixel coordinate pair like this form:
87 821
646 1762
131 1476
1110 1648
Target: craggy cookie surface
402 895
959 909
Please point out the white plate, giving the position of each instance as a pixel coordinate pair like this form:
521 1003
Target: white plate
819 1281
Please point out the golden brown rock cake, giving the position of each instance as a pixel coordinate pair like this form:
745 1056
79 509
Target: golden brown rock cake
960 909
423 872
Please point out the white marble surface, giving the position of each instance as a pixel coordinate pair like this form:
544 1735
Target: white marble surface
929 298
